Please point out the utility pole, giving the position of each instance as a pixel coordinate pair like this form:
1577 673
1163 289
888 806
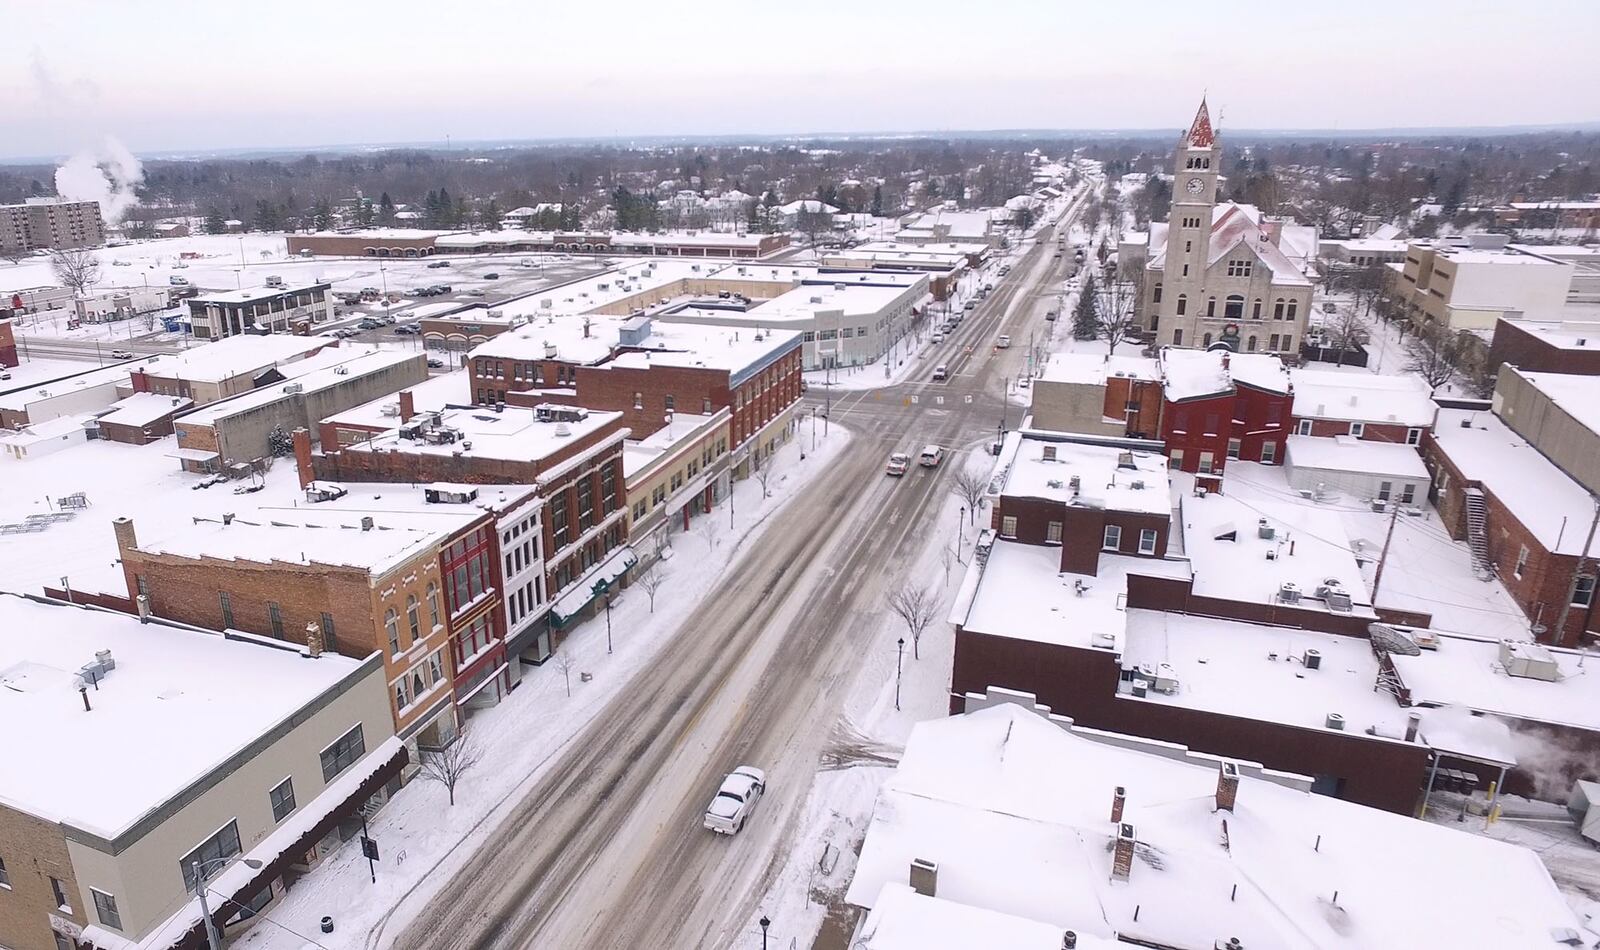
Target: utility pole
1377 577
1577 573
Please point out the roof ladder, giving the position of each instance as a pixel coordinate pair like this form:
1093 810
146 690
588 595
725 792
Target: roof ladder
1478 534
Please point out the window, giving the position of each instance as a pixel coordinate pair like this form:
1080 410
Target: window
214 850
638 400
1293 304
1188 246
1008 526
559 527
1255 309
1583 593
1288 341
436 666
5 876
1272 342
1156 297
330 640
1250 346
391 625
1234 445
1052 533
433 604
1206 341
1522 561
105 907
282 798
1413 437
63 901
1177 336
1186 270
1207 461
1269 453
414 617
1211 306
1303 427
670 403
1239 269
1113 538
608 489
227 608
705 406
143 584
1183 306
1147 541
1277 309
1385 489
1408 493
342 754
1233 307
1358 429
1175 459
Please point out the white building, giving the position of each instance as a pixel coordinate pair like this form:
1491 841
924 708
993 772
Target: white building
1363 470
259 310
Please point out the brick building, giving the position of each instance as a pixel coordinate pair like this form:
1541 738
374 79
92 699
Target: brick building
230 367
41 223
1220 406
1547 346
8 345
1117 396
1361 405
353 585
141 418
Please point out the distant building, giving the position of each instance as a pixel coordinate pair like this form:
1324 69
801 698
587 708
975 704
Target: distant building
1469 288
50 223
225 313
1547 345
8 345
412 242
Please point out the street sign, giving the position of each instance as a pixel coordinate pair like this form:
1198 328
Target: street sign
369 849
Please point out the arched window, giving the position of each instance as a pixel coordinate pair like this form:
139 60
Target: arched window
1183 304
1157 297
1211 306
1205 341
1293 305
418 684
433 605
1250 344
1277 309
391 624
1233 307
414 617
1255 311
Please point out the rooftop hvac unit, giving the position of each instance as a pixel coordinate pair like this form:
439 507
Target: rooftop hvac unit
1329 585
495 314
1075 482
389 409
1103 641
1335 721
341 371
1339 600
1426 639
1289 592
1265 531
1141 688
293 388
1054 483
562 429
1137 484
1528 661
1312 659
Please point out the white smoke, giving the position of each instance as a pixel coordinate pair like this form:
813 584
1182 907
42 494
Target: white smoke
108 175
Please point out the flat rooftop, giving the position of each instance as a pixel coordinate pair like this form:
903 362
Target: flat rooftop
1565 334
310 536
141 409
639 454
1362 397
432 395
1349 454
332 367
902 919
1087 476
234 356
512 434
1191 374
1094 369
178 704
864 295
1466 671
255 294
1577 396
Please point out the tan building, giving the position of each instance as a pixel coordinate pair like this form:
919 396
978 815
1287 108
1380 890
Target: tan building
42 223
675 475
229 367
1223 273
151 746
1469 288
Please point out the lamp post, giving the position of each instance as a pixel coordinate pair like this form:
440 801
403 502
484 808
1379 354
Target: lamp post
602 588
213 939
960 539
899 654
765 922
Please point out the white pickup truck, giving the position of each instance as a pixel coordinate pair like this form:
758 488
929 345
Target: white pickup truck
735 800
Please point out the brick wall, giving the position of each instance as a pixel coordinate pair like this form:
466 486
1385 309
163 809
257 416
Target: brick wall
1533 354
34 851
8 345
1371 432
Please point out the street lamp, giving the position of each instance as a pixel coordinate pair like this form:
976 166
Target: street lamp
213 939
765 923
960 539
602 588
899 653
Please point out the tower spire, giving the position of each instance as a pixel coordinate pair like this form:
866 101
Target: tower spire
1200 133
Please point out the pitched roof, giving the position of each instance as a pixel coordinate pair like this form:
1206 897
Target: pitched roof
1200 134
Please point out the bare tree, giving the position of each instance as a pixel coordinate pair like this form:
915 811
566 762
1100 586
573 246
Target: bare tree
564 663
709 528
1346 329
917 606
148 318
970 487
1117 313
763 475
1435 353
447 766
77 269
650 582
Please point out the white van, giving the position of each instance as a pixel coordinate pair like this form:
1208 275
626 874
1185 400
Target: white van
941 372
931 456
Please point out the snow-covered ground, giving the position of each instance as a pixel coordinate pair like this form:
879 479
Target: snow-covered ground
423 838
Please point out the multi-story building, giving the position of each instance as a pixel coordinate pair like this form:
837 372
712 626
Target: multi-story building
363 583
1361 405
8 345
1223 274
285 309
675 475
1469 288
1547 346
52 223
210 747
1118 396
1220 406
233 366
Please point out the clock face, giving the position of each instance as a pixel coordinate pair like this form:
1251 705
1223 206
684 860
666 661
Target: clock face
1195 186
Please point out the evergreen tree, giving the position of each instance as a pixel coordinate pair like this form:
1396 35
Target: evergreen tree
214 222
491 216
877 201
385 209
364 212
1085 317
322 214
752 216
280 444
267 217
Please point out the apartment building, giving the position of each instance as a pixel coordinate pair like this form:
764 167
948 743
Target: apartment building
50 223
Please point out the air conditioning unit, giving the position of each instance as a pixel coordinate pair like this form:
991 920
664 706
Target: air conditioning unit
1075 482
1265 531
1339 600
1289 592
293 388
1054 483
1335 721
1425 639
1528 661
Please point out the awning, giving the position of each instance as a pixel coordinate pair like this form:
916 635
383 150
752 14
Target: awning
582 592
194 455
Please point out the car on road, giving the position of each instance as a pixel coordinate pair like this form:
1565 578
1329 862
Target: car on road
177 281
898 463
938 336
492 275
1003 343
941 372
1052 314
121 355
987 288
735 800
931 456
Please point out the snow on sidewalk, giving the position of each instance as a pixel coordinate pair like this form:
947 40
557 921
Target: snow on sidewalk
422 838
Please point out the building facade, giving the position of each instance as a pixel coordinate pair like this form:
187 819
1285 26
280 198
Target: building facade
50 223
259 310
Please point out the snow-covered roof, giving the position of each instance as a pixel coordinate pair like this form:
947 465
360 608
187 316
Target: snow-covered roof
1577 396
617 239
1087 476
178 704
334 368
902 919
1466 671
1015 811
240 355
1565 334
1193 374
141 409
807 206
1362 397
1349 454
45 431
429 396
1537 493
685 428
513 434
309 536
1308 547
255 294
864 295
1234 225
1094 369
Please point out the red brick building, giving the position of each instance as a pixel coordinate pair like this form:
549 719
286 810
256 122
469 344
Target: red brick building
1538 346
8 345
1362 405
1220 406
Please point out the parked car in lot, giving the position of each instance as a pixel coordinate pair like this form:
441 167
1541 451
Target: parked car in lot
898 463
370 323
406 329
970 304
439 289
121 355
931 456
435 265
735 800
177 281
479 292
938 336
1003 343
492 275
435 362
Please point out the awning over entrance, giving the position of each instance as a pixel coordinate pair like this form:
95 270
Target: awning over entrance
193 455
591 585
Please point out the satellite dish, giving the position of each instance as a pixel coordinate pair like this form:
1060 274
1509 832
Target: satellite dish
1386 639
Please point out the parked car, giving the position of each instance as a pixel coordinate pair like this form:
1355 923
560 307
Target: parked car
898 463
479 292
941 372
735 800
970 304
1052 314
440 289
435 363
121 355
406 329
177 281
931 456
369 323
1003 343
435 265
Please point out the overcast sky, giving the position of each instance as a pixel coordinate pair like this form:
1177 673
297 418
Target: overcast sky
173 74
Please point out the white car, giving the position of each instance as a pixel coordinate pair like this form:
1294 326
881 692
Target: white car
121 355
899 462
938 337
735 800
1003 343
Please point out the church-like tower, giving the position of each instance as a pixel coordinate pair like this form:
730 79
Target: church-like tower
1194 195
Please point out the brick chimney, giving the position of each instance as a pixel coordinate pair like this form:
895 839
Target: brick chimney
302 457
1413 723
1118 799
924 877
408 407
1122 853
1227 786
126 538
313 640
140 381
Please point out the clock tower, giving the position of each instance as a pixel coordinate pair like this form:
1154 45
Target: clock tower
1194 194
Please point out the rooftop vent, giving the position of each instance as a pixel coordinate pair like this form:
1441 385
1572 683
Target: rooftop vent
1335 721
562 429
1289 592
1528 661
